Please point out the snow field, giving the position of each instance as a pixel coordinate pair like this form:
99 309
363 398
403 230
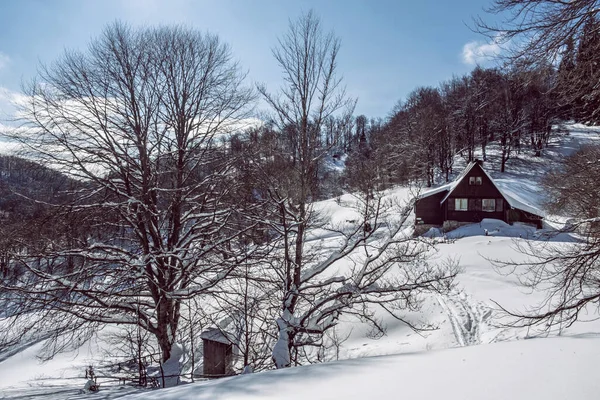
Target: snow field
549 369
401 364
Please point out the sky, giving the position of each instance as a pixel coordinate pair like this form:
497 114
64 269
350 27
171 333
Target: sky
388 48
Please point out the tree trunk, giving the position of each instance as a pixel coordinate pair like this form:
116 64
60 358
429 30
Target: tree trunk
282 349
167 321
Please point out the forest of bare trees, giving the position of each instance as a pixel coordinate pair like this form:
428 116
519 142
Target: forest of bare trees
559 43
170 213
551 78
166 208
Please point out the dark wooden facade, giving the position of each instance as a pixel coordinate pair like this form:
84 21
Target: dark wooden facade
474 193
217 354
428 209
478 192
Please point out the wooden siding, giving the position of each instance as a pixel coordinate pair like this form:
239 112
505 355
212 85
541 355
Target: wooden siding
430 210
217 358
475 194
486 190
524 216
473 215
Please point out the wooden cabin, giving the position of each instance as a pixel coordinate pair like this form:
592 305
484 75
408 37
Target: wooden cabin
217 353
471 197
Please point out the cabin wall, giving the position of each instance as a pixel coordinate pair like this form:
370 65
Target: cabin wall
528 218
429 210
475 215
475 194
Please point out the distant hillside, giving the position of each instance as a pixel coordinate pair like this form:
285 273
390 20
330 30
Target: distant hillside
25 185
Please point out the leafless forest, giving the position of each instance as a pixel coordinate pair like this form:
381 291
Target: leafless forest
149 195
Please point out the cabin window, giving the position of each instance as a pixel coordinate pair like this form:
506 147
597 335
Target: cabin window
474 180
461 204
488 205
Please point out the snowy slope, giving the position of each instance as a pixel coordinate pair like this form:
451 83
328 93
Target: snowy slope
549 369
468 317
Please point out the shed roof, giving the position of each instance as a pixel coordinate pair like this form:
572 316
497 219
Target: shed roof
215 335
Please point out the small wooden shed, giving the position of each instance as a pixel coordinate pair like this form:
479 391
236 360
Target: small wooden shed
218 353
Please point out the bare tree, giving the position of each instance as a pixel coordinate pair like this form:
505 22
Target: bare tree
314 292
510 116
544 32
567 273
573 188
538 29
244 310
136 118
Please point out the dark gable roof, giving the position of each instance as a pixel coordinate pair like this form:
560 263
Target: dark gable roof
450 186
462 176
514 203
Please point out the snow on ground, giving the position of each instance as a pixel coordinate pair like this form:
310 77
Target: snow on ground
410 365
549 369
24 375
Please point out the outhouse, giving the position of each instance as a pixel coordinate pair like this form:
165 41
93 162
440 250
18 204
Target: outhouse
218 353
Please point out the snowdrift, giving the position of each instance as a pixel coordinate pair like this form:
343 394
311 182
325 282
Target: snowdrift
549 369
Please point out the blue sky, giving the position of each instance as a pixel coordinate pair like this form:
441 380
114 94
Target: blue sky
388 47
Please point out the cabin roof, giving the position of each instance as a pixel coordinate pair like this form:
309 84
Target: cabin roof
451 185
511 199
436 190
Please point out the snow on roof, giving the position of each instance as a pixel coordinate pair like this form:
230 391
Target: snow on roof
436 190
449 186
516 202
513 199
215 335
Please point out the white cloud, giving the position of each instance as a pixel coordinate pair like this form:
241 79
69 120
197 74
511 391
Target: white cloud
477 52
4 60
9 103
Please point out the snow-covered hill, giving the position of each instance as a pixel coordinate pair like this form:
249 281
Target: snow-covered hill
401 364
549 369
